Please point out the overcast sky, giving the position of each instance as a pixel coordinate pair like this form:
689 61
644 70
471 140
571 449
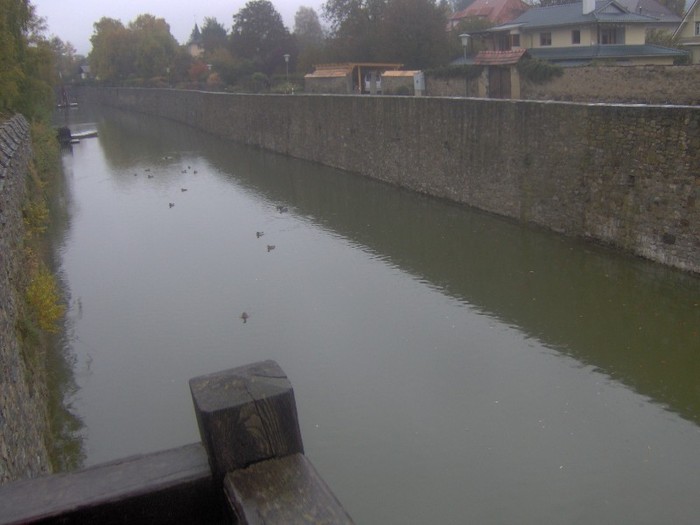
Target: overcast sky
72 20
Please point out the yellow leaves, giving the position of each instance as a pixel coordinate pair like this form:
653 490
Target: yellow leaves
44 299
36 217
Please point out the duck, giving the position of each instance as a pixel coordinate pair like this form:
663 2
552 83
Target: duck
172 204
259 234
270 247
245 317
183 189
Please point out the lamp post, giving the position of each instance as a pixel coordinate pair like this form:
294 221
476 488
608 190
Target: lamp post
286 62
464 37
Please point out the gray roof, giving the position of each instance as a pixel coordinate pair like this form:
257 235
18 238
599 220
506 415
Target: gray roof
650 8
606 11
581 54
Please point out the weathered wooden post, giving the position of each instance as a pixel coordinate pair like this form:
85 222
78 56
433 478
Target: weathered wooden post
246 415
248 423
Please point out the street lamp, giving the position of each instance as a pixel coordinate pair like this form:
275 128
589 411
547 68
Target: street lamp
286 62
464 37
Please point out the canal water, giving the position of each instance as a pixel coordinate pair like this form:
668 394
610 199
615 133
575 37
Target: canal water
449 366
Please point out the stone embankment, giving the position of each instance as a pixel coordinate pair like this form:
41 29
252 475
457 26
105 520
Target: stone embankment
624 175
601 84
23 417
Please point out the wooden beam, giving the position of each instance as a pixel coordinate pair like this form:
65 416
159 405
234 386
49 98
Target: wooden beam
246 415
168 487
281 492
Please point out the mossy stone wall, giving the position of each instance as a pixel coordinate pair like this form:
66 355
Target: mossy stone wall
23 410
628 176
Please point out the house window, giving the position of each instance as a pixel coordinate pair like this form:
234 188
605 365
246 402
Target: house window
697 28
545 39
503 42
514 41
576 36
612 35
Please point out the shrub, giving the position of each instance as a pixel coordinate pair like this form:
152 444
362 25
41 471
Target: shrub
538 71
259 82
43 297
36 216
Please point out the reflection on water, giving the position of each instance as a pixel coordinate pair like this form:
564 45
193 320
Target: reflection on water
65 443
637 322
493 372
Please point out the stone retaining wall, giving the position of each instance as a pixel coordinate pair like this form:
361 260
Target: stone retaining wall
606 84
23 419
628 176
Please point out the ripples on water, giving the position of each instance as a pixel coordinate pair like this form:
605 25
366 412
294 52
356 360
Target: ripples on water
449 366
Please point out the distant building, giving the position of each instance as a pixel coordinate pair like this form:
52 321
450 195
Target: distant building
493 11
194 44
665 18
688 32
347 77
582 32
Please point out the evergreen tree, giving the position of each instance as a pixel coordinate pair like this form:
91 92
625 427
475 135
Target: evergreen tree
213 35
259 35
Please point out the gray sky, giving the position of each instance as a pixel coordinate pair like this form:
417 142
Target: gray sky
72 20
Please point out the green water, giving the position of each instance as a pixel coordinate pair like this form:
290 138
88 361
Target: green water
449 366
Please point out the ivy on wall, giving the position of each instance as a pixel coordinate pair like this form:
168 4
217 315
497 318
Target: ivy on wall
538 71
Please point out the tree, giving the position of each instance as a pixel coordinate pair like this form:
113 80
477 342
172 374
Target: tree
179 69
66 59
661 37
213 35
413 33
153 46
355 28
26 71
309 37
111 56
259 35
144 49
677 6
307 27
460 5
14 24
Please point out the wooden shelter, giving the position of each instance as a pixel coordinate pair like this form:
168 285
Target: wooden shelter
348 77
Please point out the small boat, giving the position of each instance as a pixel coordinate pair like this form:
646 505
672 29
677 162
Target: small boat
84 134
66 136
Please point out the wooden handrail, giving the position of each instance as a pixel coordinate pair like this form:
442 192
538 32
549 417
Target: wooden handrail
249 468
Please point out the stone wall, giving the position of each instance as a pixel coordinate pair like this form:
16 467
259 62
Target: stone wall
450 87
23 419
623 175
636 85
338 85
607 84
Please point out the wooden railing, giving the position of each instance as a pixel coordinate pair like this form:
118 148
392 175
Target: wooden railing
249 469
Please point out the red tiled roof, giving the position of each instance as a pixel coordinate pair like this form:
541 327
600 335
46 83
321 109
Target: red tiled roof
496 11
499 58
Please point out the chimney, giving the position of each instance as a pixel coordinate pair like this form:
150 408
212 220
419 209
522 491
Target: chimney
588 6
